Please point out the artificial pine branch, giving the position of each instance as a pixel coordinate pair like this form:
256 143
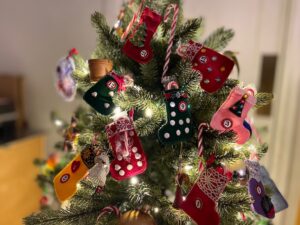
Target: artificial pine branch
188 30
219 39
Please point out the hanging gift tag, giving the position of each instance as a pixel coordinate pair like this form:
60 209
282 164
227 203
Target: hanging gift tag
137 46
100 95
213 66
200 202
262 203
178 126
129 157
65 182
233 112
65 84
277 198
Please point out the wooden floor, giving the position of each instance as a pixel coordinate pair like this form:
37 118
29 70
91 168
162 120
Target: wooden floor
19 193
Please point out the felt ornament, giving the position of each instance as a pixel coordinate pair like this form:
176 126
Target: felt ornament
136 217
65 84
65 182
137 45
129 157
213 66
200 202
99 68
262 203
231 116
99 172
178 126
277 198
100 95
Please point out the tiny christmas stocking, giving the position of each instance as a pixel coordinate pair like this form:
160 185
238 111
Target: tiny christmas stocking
213 66
262 203
137 46
277 198
66 180
100 95
179 125
200 203
233 112
129 157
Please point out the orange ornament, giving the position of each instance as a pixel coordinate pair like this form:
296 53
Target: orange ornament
135 217
99 68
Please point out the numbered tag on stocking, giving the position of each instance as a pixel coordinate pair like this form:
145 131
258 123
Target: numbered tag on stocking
100 95
65 182
262 203
200 202
137 46
129 157
178 126
233 112
213 66
65 84
99 172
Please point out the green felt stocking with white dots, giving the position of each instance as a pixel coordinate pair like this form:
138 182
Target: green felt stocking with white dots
179 125
100 95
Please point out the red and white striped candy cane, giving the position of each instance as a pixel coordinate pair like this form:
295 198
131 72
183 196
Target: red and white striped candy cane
201 127
109 209
172 34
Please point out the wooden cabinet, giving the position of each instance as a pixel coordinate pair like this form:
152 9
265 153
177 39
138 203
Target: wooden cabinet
19 193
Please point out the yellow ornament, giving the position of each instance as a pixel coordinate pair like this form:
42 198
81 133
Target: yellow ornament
135 217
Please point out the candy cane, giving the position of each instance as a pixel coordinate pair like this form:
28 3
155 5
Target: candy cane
201 127
108 209
172 34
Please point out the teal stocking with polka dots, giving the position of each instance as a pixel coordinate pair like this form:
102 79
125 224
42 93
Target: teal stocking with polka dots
178 126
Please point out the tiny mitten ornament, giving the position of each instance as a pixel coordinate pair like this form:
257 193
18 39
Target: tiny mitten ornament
262 203
233 112
277 198
99 68
66 180
213 66
129 157
99 172
100 95
178 126
135 217
65 83
140 51
200 202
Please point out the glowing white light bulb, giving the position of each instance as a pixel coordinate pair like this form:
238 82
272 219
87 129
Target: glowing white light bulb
117 110
156 210
58 122
188 167
134 180
148 112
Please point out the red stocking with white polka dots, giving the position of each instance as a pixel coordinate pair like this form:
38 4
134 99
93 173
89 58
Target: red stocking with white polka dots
129 157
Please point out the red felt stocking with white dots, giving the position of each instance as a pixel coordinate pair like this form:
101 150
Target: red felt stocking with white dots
129 157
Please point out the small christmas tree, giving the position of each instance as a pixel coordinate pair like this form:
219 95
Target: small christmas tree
174 127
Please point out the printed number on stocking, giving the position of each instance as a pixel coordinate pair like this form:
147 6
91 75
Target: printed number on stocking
100 95
66 180
262 203
142 52
200 202
179 125
213 66
129 157
233 112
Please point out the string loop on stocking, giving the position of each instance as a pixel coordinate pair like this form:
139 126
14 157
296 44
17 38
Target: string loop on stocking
175 8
